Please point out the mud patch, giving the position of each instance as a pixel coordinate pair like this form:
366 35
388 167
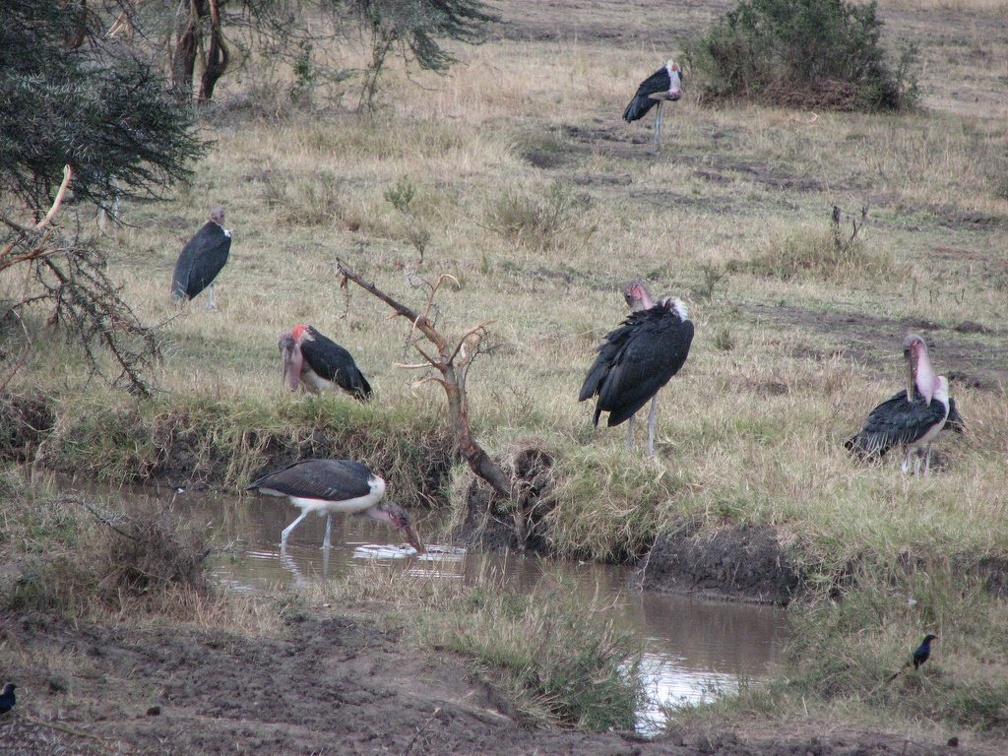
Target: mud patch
740 563
327 684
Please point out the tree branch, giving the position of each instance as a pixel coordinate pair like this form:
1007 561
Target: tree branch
452 380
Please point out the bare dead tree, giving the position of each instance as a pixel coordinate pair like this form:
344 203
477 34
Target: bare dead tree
452 363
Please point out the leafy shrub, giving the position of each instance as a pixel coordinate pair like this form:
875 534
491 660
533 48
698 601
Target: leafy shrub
816 256
536 222
803 53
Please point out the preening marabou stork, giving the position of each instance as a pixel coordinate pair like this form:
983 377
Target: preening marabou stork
664 84
201 259
911 418
637 359
326 486
316 363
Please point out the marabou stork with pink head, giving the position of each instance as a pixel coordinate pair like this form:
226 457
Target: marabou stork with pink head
911 418
201 259
637 359
664 84
317 363
326 486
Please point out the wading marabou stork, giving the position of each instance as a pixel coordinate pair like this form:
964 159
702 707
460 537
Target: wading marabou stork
638 358
911 418
326 486
201 259
664 84
317 363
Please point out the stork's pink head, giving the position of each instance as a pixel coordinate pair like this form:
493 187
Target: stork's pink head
392 513
217 215
637 296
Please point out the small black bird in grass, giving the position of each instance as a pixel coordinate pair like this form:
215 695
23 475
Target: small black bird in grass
7 699
920 655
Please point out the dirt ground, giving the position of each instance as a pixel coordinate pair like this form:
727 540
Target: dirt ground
329 685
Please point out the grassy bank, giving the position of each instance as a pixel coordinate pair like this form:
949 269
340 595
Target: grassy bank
524 185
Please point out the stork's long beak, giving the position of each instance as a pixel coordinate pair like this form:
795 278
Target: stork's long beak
911 373
292 361
413 538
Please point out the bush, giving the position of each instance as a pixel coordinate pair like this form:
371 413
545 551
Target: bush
802 53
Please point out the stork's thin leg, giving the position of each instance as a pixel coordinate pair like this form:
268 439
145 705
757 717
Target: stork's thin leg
629 435
927 460
287 531
210 303
657 127
906 461
328 533
325 561
652 416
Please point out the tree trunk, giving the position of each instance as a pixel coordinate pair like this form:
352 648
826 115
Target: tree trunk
187 36
218 57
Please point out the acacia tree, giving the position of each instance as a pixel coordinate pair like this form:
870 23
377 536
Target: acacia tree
79 114
414 28
289 29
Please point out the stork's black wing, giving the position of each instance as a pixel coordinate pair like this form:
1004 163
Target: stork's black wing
954 421
636 360
200 260
334 363
641 103
896 422
325 479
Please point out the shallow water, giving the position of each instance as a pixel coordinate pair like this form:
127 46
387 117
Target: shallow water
695 649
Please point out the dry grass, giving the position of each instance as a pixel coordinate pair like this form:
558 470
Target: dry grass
541 203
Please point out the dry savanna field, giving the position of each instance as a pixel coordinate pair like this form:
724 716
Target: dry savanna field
515 176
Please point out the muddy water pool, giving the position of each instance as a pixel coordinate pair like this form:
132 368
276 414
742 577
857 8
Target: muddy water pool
695 649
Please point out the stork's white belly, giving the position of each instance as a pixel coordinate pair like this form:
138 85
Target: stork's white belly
348 506
315 383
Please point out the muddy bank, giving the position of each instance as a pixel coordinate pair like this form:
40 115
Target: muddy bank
327 684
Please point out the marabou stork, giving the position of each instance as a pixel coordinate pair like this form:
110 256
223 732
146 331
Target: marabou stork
201 259
318 363
326 486
638 358
911 418
663 84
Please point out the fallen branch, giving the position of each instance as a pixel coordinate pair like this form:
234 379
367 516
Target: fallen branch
453 375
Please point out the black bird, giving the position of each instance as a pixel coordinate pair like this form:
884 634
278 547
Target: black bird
7 699
920 655
317 363
911 418
334 485
663 84
923 652
637 359
201 259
